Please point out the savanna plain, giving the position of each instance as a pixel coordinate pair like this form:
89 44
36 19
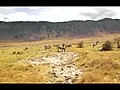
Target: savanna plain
29 62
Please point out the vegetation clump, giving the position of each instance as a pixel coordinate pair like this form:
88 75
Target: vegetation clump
107 46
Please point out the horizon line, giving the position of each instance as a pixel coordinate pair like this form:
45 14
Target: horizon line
61 21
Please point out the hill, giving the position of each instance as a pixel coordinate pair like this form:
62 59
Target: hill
30 31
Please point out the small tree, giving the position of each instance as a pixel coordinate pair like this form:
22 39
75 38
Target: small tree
106 46
80 45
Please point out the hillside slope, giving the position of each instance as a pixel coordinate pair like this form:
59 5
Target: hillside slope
29 31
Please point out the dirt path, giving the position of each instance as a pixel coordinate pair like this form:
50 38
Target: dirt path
63 71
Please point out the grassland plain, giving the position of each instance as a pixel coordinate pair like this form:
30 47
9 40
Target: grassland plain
98 66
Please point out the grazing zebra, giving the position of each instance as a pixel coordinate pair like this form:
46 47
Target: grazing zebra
95 44
47 47
26 48
61 47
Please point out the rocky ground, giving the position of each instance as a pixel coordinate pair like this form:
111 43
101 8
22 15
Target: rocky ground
63 70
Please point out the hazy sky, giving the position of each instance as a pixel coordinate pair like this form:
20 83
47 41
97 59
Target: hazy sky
58 13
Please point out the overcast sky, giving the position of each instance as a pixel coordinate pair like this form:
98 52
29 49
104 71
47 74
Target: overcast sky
58 14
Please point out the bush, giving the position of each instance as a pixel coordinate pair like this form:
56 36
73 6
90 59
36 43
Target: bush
106 46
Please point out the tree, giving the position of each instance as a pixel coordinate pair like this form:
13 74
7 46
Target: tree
106 46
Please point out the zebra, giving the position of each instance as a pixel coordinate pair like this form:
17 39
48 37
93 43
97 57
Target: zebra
26 48
47 47
63 47
95 44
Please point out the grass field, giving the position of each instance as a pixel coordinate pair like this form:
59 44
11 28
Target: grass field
98 66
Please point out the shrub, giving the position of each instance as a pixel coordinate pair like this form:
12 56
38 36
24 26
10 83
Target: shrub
106 46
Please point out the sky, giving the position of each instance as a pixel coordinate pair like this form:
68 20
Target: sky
58 13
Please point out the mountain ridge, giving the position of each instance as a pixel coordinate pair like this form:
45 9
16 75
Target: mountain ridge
30 31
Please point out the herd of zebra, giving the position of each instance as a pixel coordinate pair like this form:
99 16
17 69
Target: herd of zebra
58 47
64 46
